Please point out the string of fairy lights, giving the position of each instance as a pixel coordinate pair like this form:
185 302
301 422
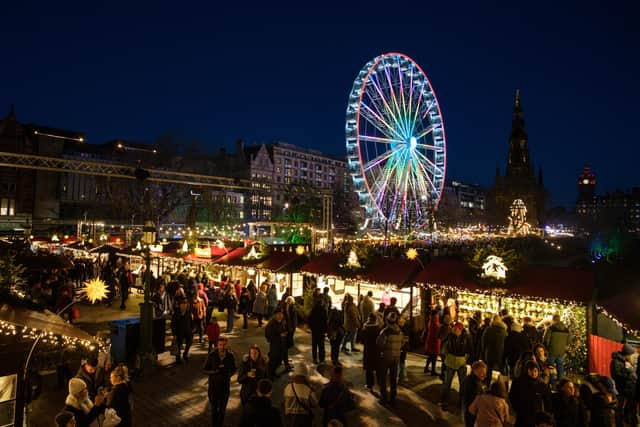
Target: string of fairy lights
26 333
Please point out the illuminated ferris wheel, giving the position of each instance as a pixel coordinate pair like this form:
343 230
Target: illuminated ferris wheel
396 146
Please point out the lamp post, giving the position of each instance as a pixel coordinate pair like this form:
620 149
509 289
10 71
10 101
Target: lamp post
146 307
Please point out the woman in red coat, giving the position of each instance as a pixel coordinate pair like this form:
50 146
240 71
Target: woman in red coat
432 342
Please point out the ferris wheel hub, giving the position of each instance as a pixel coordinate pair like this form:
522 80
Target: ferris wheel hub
413 142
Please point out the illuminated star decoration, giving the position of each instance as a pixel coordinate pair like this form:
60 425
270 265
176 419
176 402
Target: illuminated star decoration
494 267
352 261
412 253
95 290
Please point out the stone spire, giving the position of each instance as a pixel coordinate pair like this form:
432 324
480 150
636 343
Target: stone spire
518 162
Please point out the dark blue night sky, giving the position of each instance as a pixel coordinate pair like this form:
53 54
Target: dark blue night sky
284 73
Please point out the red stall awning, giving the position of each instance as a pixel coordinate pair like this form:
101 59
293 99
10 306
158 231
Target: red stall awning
446 272
551 282
323 264
278 261
234 257
395 271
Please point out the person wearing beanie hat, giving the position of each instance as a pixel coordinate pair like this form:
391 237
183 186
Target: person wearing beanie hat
625 379
299 399
79 404
276 334
65 419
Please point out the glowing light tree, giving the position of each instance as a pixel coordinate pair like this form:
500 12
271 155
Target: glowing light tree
395 142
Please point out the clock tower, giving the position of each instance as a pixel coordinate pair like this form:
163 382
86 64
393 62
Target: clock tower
586 184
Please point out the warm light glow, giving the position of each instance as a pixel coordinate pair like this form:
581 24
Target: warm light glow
185 246
251 272
412 253
352 260
55 238
299 250
95 290
203 252
138 246
494 267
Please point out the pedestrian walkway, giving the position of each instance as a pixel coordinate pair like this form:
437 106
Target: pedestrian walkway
176 395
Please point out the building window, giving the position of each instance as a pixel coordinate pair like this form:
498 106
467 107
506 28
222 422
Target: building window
7 207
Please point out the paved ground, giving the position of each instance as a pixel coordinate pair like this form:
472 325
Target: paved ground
170 395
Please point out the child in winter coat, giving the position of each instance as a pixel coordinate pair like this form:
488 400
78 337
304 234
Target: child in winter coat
213 332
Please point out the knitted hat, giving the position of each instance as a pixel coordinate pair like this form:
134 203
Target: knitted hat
76 386
300 370
628 349
63 418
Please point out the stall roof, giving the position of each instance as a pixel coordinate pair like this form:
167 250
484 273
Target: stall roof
625 307
41 320
279 261
446 272
538 281
44 262
551 282
396 271
324 264
234 257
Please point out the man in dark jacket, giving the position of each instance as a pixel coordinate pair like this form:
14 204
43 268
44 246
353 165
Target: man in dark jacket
260 412
318 325
625 378
371 354
515 345
335 332
336 399
220 366
556 339
457 349
389 344
276 335
528 396
492 346
473 386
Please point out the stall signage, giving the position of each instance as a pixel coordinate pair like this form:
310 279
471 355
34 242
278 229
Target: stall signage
203 252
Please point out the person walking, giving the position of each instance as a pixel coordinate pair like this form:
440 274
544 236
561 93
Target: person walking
472 387
336 399
198 314
78 403
299 399
213 332
252 369
260 305
402 366
124 280
244 307
443 333
335 333
389 344
326 299
291 319
556 339
370 354
272 300
391 308
457 349
231 304
276 335
529 395
318 324
220 367
181 325
491 409
492 346
351 324
530 331
380 315
432 342
259 411
118 398
604 403
253 292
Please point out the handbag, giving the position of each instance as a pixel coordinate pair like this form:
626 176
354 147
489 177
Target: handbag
111 418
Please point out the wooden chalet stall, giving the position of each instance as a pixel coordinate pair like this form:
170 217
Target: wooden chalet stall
539 292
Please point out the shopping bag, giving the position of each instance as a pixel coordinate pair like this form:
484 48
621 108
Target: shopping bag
111 418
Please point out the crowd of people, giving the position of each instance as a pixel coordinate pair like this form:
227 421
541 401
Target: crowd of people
505 367
518 368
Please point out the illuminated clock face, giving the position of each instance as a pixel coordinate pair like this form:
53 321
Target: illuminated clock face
585 181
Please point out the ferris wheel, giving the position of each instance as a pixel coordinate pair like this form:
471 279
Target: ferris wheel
396 147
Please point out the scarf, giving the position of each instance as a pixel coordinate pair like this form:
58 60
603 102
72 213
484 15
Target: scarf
85 405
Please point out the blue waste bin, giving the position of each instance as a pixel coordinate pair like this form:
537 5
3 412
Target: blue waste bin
125 338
